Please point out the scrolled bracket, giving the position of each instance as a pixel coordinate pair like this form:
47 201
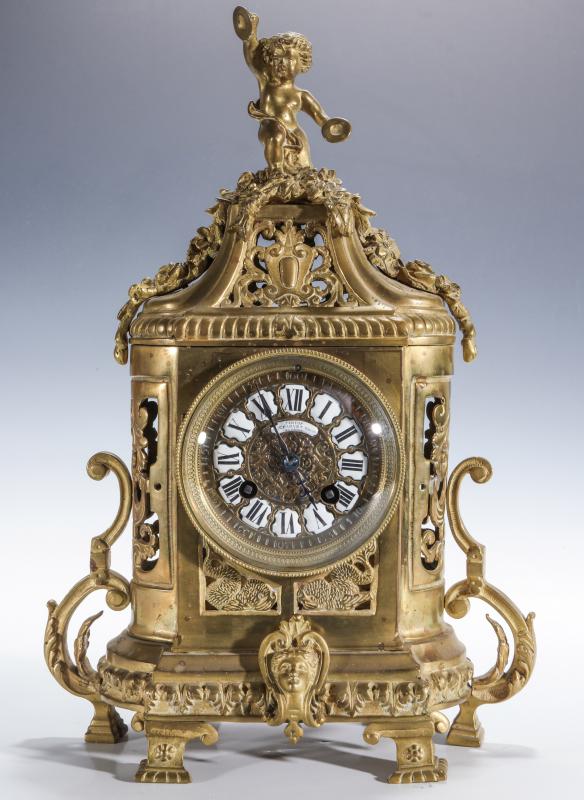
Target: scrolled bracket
499 683
76 673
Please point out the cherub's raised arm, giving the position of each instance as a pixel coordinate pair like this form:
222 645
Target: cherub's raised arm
334 129
246 25
313 108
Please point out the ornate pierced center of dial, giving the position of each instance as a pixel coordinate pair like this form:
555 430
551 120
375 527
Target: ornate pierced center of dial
312 456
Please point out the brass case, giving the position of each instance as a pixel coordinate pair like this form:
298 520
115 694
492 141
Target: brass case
290 260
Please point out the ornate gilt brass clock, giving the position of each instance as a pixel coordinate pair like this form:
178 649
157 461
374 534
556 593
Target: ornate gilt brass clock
289 486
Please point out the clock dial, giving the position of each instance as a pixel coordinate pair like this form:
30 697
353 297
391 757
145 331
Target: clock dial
289 461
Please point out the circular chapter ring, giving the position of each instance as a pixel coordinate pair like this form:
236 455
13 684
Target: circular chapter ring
251 554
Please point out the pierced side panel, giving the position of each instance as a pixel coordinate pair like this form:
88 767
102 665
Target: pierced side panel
225 589
429 468
347 589
151 541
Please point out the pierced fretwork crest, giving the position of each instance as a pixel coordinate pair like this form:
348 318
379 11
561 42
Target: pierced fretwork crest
294 662
294 268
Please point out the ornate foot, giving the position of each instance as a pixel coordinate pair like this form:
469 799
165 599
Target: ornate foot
466 730
166 748
76 674
416 762
106 727
294 662
498 683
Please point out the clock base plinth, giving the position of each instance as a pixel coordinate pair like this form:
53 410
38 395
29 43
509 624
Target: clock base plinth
180 696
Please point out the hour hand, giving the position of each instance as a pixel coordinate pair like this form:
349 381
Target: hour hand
305 488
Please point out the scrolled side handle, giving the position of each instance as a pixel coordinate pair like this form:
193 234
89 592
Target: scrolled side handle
76 674
500 682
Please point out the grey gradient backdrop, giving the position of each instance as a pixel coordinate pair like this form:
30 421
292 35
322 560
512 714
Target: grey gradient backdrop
121 119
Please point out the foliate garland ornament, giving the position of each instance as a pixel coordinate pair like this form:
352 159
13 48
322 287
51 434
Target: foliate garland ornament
122 685
255 190
500 682
294 662
226 589
383 253
419 275
146 544
350 586
177 275
447 684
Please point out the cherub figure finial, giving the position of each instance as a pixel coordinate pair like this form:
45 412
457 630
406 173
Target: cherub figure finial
276 62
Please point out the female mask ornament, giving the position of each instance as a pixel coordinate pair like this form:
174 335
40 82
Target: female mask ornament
294 662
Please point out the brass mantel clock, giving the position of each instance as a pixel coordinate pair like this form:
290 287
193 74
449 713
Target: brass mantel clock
290 410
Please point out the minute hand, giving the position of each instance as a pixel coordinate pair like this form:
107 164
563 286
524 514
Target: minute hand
268 413
270 416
